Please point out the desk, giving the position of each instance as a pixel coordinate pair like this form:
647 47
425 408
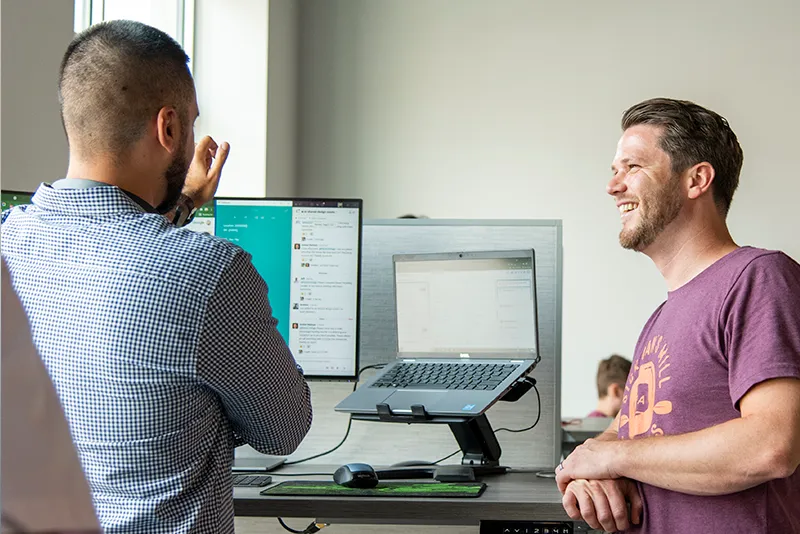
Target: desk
576 431
582 429
518 495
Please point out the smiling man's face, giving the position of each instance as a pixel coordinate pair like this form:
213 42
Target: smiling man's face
646 191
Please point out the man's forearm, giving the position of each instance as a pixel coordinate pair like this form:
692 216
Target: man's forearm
610 433
727 458
607 435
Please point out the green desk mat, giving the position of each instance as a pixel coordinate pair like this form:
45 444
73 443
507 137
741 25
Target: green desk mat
384 489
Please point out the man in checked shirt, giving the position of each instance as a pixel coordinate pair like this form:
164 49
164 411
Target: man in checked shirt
160 341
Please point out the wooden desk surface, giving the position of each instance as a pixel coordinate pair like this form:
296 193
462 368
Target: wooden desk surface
517 495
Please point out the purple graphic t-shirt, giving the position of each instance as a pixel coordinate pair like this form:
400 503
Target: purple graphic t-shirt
733 326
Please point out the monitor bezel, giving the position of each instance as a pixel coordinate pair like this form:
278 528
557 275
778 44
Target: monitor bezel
360 207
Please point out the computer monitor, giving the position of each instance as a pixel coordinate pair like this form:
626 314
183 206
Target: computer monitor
482 304
9 199
309 253
203 220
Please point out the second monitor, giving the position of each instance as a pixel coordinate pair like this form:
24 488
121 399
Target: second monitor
308 251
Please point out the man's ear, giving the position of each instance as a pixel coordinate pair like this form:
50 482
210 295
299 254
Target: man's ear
168 128
615 391
700 177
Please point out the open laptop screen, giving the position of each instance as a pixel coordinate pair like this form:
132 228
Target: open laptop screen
478 303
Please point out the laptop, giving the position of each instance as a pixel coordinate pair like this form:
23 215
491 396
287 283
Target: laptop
466 331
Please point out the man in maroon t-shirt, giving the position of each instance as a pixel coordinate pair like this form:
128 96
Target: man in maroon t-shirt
708 437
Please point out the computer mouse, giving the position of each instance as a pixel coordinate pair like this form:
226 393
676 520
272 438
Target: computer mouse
360 476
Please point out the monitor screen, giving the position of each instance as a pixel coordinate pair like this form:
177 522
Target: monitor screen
481 304
309 254
10 199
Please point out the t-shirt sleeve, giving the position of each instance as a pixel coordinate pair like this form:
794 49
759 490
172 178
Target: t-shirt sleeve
760 322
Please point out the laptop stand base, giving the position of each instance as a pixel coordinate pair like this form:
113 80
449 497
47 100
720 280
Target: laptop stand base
474 435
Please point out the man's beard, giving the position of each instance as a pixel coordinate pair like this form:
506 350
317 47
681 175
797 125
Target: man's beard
664 205
175 176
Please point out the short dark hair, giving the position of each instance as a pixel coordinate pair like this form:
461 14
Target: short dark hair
114 78
612 370
692 134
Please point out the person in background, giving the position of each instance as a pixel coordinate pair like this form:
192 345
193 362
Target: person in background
160 341
708 436
611 376
44 489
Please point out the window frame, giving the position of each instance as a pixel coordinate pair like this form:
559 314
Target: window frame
88 12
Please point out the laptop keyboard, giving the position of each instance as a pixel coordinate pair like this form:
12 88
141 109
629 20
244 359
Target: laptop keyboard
418 375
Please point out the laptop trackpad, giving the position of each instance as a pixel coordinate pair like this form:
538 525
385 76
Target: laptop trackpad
402 400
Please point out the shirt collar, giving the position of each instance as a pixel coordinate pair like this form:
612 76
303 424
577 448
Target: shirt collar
98 201
83 183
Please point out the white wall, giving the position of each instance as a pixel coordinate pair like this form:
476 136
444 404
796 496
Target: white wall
511 108
239 101
34 34
282 98
230 71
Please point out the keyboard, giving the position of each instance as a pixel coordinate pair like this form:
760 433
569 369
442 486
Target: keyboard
248 480
419 375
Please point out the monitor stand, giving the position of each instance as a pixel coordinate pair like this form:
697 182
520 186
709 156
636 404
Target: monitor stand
260 463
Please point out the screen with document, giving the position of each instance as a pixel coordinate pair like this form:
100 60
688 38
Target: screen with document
468 303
